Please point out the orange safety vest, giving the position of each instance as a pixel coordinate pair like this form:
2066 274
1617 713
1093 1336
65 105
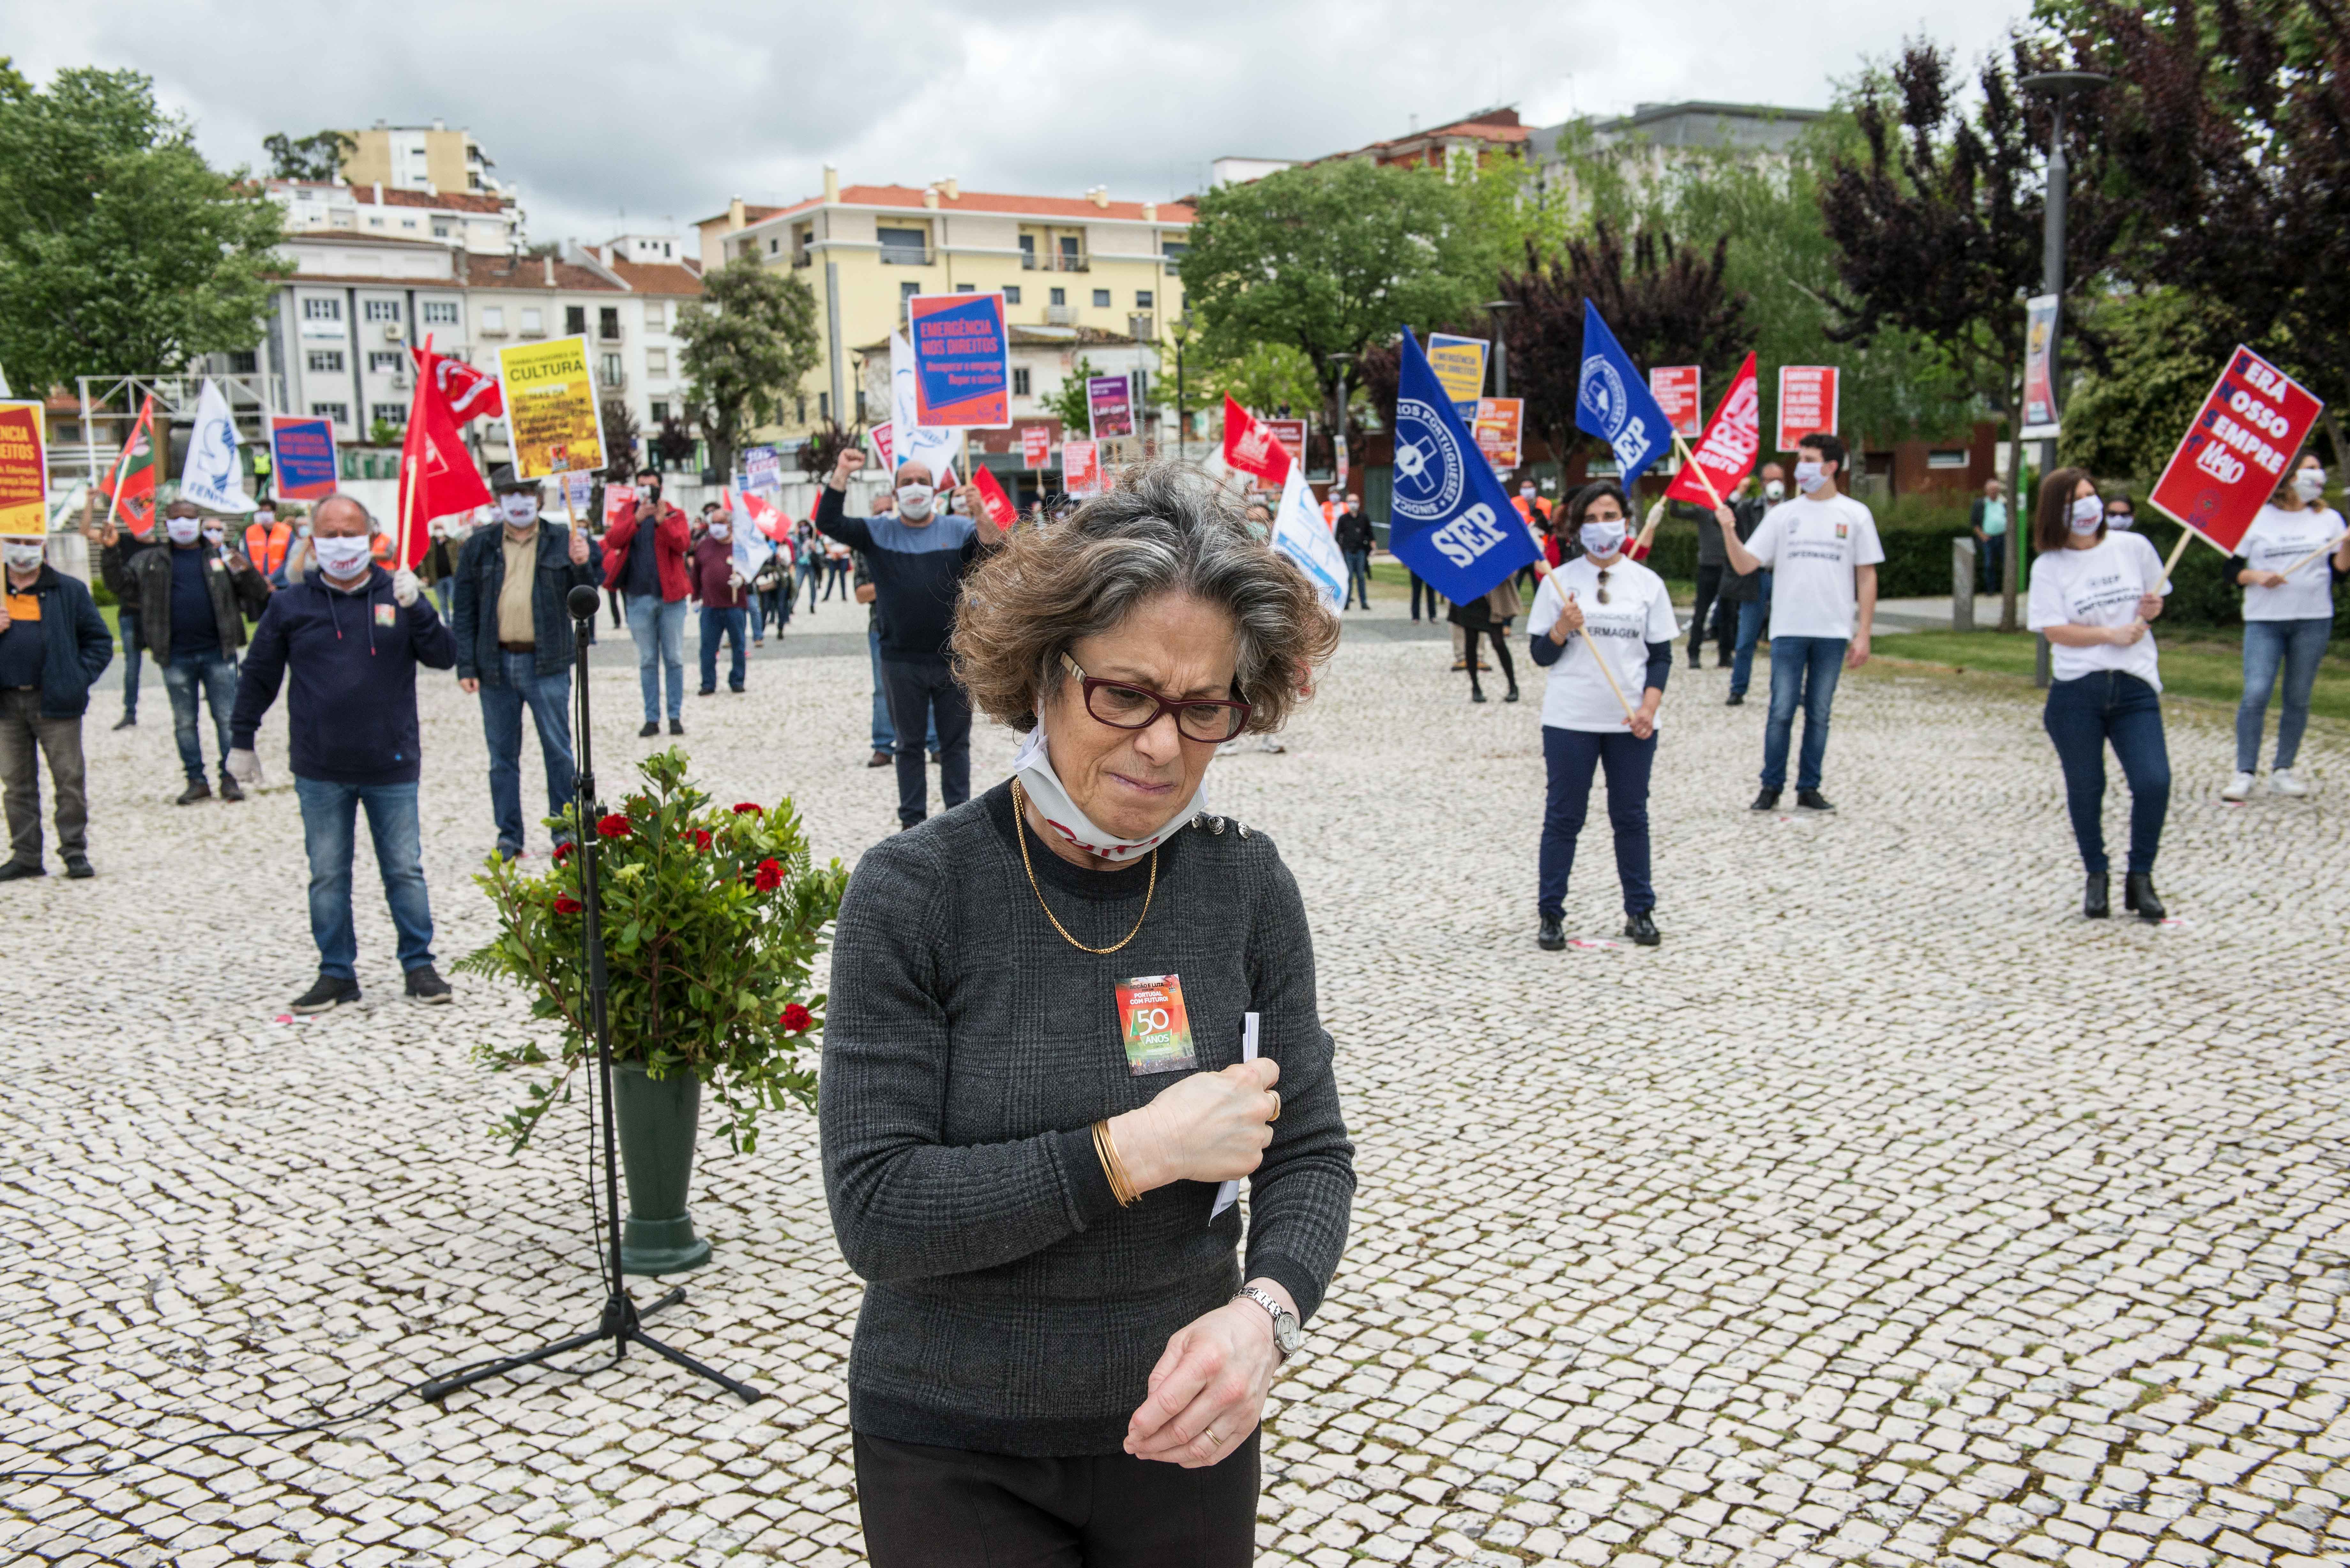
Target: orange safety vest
381 550
266 544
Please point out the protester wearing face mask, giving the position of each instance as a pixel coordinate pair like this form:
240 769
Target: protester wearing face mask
351 635
1748 594
2287 570
644 558
267 538
720 588
514 644
2121 514
1824 546
117 548
2092 594
1986 519
54 645
918 560
1627 613
438 570
192 600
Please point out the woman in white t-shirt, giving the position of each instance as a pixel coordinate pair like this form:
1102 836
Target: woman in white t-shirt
2093 593
2288 575
1603 626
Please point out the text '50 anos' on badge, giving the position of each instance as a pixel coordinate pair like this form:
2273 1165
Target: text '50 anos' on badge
1153 1026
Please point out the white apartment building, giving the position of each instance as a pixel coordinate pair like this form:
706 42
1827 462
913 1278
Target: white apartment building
491 224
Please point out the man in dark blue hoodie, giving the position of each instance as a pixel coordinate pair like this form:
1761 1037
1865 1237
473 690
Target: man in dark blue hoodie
352 634
53 645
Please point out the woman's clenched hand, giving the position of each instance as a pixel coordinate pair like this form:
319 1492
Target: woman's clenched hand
1210 1126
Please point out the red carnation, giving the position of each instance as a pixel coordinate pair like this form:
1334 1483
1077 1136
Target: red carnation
796 1018
613 825
748 808
565 904
769 875
563 852
700 839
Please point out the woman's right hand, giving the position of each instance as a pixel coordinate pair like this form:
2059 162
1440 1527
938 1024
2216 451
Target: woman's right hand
1210 1126
2122 635
1569 622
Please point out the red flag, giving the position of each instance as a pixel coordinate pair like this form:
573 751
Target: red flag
1000 510
1251 447
129 487
437 477
470 393
1725 453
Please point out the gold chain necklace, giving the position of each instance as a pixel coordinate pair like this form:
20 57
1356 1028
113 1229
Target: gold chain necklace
1020 826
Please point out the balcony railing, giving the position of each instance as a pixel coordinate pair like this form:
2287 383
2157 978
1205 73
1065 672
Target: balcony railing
905 255
1060 316
1030 261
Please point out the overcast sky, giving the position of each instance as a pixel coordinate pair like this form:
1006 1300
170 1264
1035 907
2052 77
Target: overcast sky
663 111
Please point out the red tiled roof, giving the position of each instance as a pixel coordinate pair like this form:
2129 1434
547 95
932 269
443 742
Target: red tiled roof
911 197
659 277
530 272
1499 125
751 214
446 200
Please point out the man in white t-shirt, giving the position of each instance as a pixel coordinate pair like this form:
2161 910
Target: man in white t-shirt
1822 550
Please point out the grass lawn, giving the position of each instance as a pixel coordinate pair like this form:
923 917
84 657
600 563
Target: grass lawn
2205 664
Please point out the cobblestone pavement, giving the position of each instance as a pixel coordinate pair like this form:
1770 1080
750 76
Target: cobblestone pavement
1888 1213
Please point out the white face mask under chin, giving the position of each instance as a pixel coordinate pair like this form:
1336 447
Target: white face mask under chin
1034 768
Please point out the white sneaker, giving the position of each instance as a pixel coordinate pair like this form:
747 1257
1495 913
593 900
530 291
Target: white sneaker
2282 781
2239 788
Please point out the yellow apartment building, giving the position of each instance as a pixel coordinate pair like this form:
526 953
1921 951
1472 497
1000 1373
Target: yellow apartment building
1061 262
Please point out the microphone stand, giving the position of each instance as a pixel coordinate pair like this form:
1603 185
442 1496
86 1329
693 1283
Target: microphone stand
621 1323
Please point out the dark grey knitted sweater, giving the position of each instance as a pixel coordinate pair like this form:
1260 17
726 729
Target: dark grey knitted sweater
1011 1306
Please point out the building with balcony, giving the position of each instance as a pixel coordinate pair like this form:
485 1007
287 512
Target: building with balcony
1082 263
430 158
490 224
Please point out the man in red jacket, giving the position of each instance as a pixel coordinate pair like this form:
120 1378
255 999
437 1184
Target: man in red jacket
644 558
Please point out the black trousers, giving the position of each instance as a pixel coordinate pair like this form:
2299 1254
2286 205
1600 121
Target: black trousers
921 690
1725 620
1500 636
929 1507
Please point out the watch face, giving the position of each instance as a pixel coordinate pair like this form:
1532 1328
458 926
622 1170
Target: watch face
1287 1335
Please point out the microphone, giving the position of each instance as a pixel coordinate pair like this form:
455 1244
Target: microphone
584 602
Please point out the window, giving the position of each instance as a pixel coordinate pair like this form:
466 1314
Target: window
611 371
656 361
661 411
776 246
1947 457
242 362
1069 254
575 320
656 315
392 414
382 364
1019 381
1141 300
1012 295
339 412
380 309
494 318
321 308
860 405
439 229
966 288
1101 299
608 323
907 291
1060 296
327 361
799 409
1027 253
824 405
533 323
440 313
407 222
1172 249
904 247
664 247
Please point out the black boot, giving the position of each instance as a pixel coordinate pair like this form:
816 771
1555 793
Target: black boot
1553 935
2093 898
2138 897
1476 693
1642 927
1512 695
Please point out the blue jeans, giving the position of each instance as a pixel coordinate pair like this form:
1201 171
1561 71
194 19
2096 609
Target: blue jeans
1571 756
134 654
812 574
329 813
1752 616
1994 570
885 737
728 624
548 696
443 592
659 627
1358 578
2082 716
2295 645
214 676
1804 673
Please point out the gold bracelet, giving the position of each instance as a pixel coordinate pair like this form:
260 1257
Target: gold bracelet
1121 1186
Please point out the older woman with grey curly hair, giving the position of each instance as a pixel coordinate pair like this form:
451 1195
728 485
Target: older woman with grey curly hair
1067 1018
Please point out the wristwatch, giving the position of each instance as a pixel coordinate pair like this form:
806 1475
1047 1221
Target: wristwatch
1288 1334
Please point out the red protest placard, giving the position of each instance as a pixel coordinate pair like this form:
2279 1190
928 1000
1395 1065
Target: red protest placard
1807 403
1000 510
2237 450
1725 455
1675 390
883 438
1250 446
1496 430
1291 434
1080 468
1035 446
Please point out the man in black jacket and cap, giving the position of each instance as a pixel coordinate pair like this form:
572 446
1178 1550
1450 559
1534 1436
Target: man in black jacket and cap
514 643
192 602
53 645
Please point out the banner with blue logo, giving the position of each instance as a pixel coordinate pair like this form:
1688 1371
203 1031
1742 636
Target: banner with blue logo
1614 404
1449 519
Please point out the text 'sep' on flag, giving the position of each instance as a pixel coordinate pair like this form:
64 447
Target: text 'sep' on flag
1614 403
1448 520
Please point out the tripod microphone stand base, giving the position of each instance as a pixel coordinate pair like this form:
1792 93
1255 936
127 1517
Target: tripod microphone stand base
621 1325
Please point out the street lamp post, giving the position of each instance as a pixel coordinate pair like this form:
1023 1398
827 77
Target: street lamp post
2058 87
1338 428
1182 418
1498 310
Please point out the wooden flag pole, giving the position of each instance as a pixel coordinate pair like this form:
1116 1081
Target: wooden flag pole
1544 569
1704 477
2184 533
407 511
2333 543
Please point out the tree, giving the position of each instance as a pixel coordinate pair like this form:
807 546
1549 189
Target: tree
120 249
1329 259
2125 420
748 341
1068 403
619 439
674 447
317 156
1939 232
824 446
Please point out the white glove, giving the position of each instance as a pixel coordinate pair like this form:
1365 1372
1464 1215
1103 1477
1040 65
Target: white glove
405 588
1656 513
733 579
245 767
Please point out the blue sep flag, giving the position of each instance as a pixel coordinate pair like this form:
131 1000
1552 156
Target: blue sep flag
1614 404
1450 520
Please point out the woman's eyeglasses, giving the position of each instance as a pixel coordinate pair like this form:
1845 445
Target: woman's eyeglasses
1126 707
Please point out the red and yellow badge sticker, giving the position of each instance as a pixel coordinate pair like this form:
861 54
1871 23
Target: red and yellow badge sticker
1153 1026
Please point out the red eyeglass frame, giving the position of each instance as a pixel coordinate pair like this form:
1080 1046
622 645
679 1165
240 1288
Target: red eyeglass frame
1089 684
